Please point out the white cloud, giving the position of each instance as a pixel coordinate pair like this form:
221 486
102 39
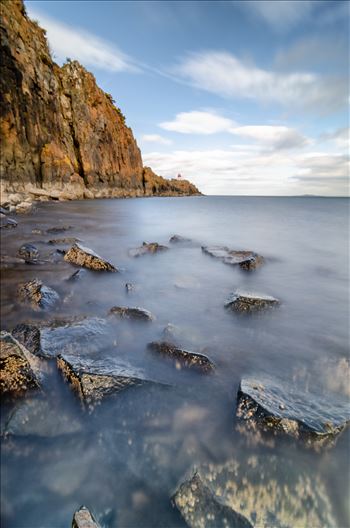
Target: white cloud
76 43
224 74
280 14
197 122
155 138
277 137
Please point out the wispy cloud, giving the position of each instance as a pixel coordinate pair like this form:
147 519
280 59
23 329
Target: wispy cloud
197 122
155 138
224 74
278 137
76 43
280 14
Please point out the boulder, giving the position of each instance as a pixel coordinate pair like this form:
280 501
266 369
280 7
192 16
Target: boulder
7 222
132 313
87 258
182 358
201 508
246 260
37 294
83 518
273 405
147 249
29 253
247 302
178 239
16 373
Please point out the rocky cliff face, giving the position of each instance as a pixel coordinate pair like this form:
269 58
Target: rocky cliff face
61 135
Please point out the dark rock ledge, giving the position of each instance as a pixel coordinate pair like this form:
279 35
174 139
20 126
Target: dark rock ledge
246 260
182 358
243 302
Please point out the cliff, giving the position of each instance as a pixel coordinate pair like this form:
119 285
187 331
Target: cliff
61 135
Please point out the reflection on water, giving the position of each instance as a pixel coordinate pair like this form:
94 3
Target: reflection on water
125 460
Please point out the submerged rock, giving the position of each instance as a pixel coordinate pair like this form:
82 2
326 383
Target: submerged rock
83 518
77 275
29 253
37 294
272 405
182 358
59 241
87 258
177 239
248 302
132 313
129 287
151 248
16 373
201 508
246 260
58 229
6 222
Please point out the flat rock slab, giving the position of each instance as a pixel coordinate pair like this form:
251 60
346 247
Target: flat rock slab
16 373
273 405
37 294
182 358
87 258
202 509
246 260
7 222
243 302
147 249
132 313
83 518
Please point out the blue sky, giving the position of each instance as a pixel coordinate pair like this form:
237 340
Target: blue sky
239 97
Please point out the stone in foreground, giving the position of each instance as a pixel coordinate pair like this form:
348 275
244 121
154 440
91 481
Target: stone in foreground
83 518
132 313
29 253
272 405
85 257
37 294
182 358
202 509
247 302
16 374
147 249
246 260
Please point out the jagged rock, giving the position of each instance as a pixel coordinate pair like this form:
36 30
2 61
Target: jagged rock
129 287
156 185
77 275
247 302
16 373
272 405
29 253
178 239
246 260
83 256
132 313
201 508
83 518
182 358
59 241
7 222
145 249
29 336
36 294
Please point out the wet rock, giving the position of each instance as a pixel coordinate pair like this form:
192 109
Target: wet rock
29 336
58 229
4 211
246 260
83 518
132 313
247 302
77 275
178 239
37 294
60 241
16 373
145 249
56 256
7 222
182 358
271 405
202 509
129 287
87 258
29 253
24 207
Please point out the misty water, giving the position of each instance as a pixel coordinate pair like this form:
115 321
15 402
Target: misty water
125 459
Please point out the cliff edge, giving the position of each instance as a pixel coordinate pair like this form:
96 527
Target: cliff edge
61 135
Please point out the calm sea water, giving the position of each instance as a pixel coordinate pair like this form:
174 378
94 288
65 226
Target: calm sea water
125 460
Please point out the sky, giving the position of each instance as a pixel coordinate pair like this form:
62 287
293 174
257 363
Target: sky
239 97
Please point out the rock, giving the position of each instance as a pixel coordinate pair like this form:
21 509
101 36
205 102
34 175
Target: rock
77 275
178 239
182 358
145 249
129 287
4 211
16 373
37 295
24 207
8 262
58 229
156 185
29 253
87 258
272 405
202 509
132 313
57 255
59 241
246 260
7 222
83 518
246 302
29 336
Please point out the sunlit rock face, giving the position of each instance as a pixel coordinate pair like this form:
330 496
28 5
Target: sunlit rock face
62 136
